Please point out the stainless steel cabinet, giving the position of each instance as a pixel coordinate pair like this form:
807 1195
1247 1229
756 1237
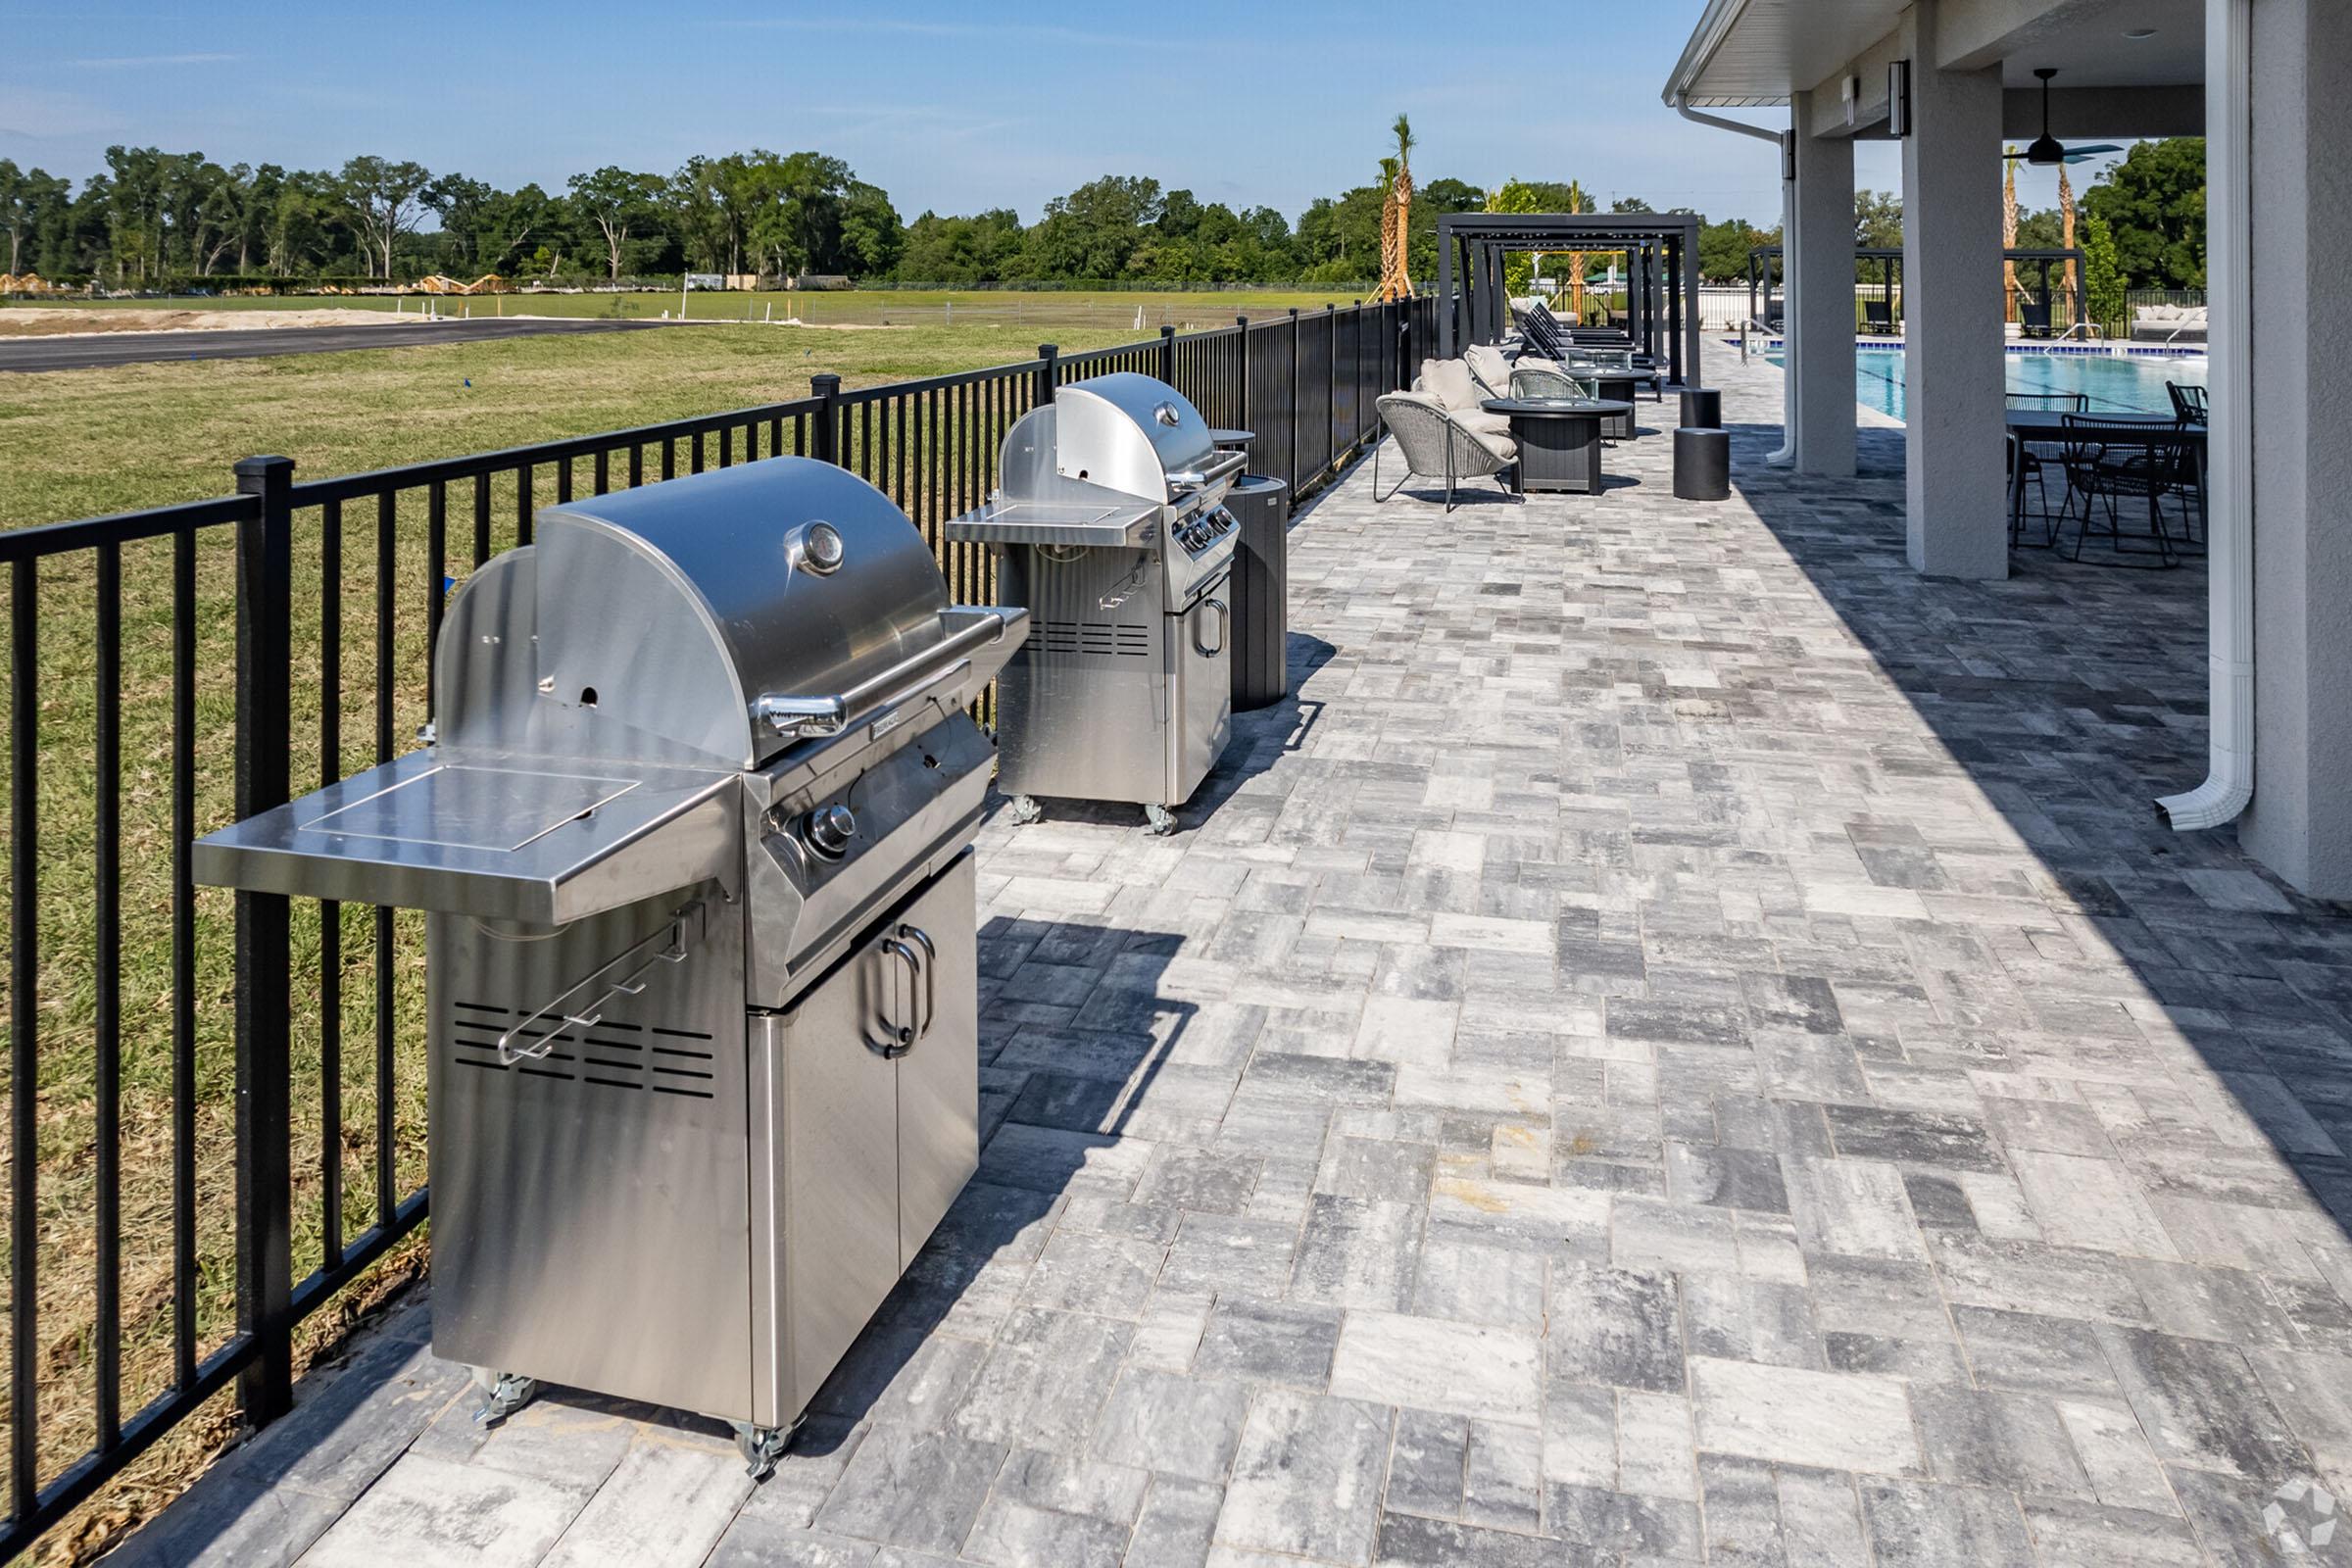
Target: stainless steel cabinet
864 1112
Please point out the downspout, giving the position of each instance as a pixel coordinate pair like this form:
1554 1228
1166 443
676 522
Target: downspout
2229 465
1787 455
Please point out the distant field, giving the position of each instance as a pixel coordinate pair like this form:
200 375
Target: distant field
1032 312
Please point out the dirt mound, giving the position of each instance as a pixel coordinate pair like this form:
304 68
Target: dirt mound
56 321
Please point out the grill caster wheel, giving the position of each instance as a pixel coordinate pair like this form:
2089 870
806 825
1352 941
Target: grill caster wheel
763 1447
1160 822
502 1393
1025 809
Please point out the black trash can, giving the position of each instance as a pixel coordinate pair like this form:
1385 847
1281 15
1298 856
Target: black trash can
1259 594
1702 465
1702 408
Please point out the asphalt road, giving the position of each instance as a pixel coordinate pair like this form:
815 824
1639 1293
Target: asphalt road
83 350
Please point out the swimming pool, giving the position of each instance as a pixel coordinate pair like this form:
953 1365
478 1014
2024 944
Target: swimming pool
2114 383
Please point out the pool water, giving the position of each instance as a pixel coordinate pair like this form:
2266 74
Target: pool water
2114 384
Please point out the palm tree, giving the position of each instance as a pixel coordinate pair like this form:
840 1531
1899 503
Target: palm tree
2066 223
1578 202
2008 234
1395 232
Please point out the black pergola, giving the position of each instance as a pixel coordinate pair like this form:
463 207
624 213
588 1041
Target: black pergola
1879 314
1661 257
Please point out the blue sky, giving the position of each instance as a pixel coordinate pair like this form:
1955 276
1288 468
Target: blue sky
948 106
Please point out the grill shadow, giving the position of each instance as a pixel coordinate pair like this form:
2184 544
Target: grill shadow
1075 1035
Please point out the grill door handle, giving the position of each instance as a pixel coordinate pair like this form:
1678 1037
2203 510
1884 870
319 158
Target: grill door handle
930 976
1224 626
902 1036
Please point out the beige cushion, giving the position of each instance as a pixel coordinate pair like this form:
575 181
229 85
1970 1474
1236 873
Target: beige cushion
1489 367
1449 383
1484 424
1500 444
1534 362
1419 394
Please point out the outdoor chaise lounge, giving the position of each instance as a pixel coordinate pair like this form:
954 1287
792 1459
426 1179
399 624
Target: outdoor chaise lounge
1572 348
2169 323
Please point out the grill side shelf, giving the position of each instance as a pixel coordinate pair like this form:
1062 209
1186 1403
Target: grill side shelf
526 841
1081 524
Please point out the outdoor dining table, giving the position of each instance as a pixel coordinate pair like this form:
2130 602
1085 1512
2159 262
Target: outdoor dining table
2049 427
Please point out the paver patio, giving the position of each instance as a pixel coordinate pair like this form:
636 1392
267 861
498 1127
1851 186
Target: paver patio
1685 1043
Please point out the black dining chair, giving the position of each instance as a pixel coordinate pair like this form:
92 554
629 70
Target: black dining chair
2027 462
2115 462
2190 403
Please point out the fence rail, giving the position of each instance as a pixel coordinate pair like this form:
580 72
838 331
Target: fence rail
335 590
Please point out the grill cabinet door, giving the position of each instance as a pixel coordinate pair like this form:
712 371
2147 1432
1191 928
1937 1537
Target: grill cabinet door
938 1077
1202 694
829 1222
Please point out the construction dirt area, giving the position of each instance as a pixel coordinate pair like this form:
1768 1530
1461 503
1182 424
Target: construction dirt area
55 320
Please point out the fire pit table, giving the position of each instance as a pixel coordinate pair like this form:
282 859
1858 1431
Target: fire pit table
1559 440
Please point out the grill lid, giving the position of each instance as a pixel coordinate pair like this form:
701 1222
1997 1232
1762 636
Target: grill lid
1132 433
671 611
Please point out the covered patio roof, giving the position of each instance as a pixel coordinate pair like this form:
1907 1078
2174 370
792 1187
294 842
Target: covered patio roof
1750 54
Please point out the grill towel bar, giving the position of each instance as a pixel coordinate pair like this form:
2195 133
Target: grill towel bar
674 941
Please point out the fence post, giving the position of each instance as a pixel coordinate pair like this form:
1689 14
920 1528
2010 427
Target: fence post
1405 349
1331 388
1294 474
1046 353
827 388
1167 355
1243 321
263 984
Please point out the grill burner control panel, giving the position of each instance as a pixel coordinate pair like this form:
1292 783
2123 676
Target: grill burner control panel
1201 532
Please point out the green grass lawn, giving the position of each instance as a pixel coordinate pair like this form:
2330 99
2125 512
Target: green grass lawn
85 442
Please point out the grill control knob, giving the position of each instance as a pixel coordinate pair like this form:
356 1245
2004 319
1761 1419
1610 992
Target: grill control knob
829 830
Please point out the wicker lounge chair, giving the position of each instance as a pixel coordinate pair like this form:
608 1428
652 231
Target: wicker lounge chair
1490 368
1435 444
1547 382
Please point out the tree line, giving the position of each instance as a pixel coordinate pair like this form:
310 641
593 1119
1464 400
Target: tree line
154 220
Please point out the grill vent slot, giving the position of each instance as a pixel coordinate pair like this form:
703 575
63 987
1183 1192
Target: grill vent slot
1113 638
608 1054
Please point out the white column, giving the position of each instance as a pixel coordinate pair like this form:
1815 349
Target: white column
1789 360
1820 291
1956 496
2300 216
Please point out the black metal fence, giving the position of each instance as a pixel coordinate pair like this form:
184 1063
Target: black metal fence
332 590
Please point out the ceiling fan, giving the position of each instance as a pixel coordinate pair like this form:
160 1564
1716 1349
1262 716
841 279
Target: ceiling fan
2048 151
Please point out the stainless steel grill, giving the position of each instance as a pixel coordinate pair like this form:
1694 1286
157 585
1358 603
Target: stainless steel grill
1111 529
694 837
